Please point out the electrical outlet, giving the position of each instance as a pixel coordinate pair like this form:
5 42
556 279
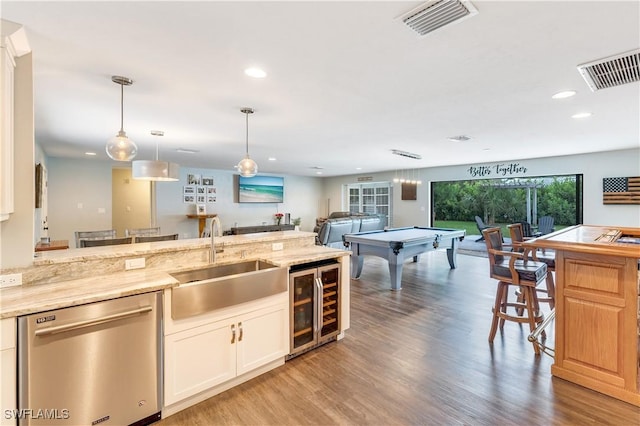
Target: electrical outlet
137 263
10 280
277 246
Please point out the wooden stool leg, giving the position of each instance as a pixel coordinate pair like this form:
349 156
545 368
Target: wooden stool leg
551 290
532 310
496 308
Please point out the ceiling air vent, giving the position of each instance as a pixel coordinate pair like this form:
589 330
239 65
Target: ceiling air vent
436 14
406 154
612 71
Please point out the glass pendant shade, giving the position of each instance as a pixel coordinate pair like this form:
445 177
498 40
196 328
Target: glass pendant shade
121 148
155 170
247 167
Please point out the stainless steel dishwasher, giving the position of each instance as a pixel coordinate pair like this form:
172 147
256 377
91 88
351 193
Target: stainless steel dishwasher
92 364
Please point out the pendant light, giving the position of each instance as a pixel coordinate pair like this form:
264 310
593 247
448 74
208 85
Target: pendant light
155 170
247 167
120 147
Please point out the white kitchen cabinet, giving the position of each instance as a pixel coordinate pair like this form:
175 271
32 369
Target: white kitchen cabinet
8 369
7 70
205 356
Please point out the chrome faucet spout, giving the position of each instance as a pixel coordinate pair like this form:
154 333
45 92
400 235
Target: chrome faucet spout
215 227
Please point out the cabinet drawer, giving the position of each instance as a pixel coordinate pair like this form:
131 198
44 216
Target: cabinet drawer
7 333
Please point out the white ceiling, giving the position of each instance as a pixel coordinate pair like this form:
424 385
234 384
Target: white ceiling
347 81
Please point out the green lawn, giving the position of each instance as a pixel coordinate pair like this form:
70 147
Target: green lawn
472 229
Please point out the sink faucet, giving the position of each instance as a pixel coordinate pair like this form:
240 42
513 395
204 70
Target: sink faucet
215 227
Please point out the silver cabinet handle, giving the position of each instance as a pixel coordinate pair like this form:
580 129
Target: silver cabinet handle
240 327
95 321
318 316
233 333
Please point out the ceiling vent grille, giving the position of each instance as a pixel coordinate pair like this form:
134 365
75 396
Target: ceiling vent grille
613 71
406 154
436 14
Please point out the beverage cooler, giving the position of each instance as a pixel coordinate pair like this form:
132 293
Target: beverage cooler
315 305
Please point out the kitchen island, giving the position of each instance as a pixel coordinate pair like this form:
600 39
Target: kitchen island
597 316
74 277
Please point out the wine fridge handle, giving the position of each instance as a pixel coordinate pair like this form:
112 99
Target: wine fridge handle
318 317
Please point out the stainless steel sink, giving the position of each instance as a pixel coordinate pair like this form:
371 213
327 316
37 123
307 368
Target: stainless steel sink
218 286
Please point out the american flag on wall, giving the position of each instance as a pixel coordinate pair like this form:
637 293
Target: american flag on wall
621 190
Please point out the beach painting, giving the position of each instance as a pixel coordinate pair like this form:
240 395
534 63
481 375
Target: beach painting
261 189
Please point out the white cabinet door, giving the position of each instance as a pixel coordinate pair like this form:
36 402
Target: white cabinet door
202 357
7 67
198 359
264 338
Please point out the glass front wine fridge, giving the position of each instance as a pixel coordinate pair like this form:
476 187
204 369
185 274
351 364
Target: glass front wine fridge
315 305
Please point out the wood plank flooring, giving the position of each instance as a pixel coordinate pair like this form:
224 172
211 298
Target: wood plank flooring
416 356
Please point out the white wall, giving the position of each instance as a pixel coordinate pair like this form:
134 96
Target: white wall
74 182
594 167
300 199
79 197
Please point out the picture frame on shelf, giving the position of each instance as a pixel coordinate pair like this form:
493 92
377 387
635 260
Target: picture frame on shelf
201 209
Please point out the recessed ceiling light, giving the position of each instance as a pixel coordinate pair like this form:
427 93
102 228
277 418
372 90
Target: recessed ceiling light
272 158
460 138
318 172
358 168
582 115
255 72
564 94
187 150
89 153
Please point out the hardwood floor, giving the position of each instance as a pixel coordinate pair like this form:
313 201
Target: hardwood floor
416 356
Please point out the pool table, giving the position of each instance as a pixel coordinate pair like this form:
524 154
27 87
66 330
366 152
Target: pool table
399 244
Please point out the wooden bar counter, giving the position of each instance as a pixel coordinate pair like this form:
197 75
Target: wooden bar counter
596 325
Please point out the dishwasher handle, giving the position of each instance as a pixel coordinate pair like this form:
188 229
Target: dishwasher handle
91 322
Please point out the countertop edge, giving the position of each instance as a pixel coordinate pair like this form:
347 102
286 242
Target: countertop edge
28 299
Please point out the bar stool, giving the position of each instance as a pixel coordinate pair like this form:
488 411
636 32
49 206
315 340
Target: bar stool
513 269
548 294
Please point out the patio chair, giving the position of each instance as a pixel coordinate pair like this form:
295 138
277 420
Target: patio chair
481 227
545 225
527 231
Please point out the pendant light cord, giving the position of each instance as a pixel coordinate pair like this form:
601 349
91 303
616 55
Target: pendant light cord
247 120
121 107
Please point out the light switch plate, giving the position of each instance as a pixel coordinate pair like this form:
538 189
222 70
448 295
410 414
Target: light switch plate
277 246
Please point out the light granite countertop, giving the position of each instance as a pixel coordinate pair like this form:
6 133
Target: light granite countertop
27 299
141 249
